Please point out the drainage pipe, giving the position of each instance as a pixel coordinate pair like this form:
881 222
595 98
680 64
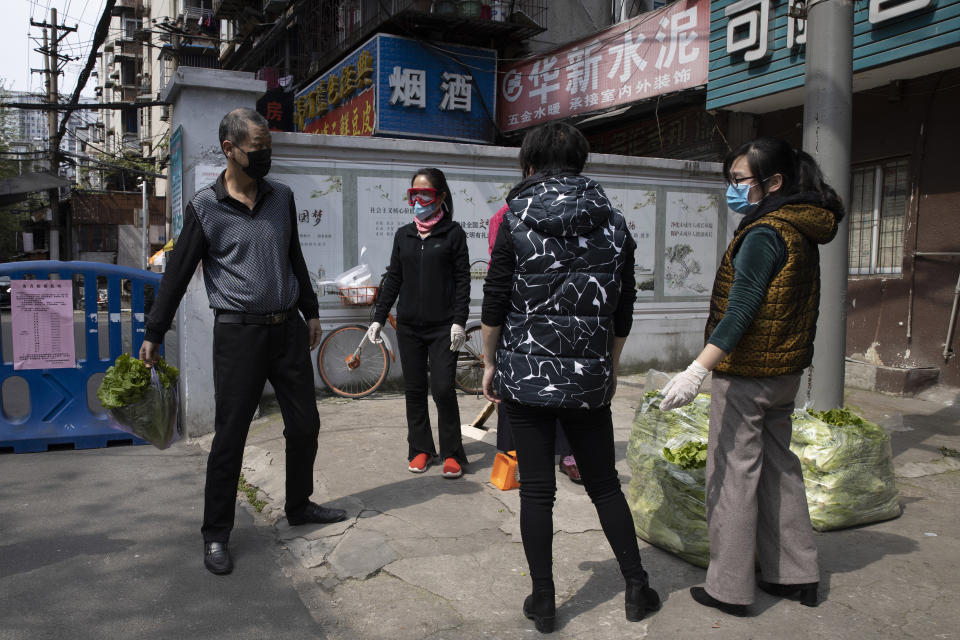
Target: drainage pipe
947 351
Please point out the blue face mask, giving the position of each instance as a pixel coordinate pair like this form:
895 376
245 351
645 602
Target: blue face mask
737 198
424 212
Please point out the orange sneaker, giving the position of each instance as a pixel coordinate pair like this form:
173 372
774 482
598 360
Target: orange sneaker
451 468
419 463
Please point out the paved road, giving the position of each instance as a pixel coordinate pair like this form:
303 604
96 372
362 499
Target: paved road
105 543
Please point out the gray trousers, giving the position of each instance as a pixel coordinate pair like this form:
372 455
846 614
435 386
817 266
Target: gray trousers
756 504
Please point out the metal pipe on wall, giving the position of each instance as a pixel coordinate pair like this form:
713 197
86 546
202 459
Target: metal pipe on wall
947 351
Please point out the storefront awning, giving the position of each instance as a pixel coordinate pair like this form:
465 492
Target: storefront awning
18 188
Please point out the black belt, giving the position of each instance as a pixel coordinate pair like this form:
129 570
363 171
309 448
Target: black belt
229 317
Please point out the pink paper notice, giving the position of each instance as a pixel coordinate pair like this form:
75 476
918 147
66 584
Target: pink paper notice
42 312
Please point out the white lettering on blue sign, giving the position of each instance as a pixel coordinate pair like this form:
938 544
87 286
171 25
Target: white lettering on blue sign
755 16
457 94
796 26
883 10
409 87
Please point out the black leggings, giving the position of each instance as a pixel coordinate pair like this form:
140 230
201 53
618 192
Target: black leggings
420 345
590 432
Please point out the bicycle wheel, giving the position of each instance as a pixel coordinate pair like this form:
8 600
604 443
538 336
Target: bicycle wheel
470 363
348 376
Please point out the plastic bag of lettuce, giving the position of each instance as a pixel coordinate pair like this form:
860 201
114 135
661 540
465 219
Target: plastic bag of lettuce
847 470
142 401
667 456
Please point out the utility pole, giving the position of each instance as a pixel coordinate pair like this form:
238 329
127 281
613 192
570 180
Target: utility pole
52 71
145 221
827 121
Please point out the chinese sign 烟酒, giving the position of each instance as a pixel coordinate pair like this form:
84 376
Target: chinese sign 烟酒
401 87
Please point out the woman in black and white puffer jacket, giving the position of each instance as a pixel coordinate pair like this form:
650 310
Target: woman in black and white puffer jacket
557 308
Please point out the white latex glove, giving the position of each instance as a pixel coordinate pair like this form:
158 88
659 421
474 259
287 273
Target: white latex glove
373 333
457 337
683 387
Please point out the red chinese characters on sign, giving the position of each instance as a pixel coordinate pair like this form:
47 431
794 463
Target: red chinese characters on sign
653 54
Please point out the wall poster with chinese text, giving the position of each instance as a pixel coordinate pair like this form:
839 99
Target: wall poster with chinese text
690 245
319 200
639 208
381 210
475 203
42 318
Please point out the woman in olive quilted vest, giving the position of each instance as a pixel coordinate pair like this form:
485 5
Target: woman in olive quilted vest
759 334
557 308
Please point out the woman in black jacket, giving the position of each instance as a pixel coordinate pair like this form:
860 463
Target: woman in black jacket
557 308
430 272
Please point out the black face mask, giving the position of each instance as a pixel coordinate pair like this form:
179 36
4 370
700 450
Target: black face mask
258 163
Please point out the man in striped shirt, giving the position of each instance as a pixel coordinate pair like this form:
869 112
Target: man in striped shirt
243 228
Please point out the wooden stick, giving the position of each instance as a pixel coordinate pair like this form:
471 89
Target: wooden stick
483 415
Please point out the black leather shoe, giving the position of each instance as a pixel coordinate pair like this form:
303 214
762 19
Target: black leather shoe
316 514
807 592
541 607
700 595
640 599
216 558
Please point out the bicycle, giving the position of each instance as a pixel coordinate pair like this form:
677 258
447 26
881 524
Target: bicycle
353 367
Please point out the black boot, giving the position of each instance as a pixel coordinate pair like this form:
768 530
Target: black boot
639 599
806 592
540 607
700 595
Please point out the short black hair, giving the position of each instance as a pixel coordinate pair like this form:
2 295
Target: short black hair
439 182
235 126
554 145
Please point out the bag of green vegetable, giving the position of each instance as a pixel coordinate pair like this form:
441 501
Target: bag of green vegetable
847 468
846 460
667 454
142 401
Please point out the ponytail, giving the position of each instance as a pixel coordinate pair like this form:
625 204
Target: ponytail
800 172
810 179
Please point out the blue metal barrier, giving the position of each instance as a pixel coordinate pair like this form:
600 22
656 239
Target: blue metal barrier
59 415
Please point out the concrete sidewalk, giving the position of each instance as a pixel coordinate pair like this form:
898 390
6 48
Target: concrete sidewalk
424 557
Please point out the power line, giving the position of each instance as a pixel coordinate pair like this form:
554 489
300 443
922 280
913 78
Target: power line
116 166
75 106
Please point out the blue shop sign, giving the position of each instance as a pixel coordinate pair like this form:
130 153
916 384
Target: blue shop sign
396 86
757 46
435 90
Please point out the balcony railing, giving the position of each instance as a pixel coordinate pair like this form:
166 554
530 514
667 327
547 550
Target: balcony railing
196 14
328 32
131 142
140 7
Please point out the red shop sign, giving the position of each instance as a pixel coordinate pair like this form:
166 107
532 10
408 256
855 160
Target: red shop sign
656 53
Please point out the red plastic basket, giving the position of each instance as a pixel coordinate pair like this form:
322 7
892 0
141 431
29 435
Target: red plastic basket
357 296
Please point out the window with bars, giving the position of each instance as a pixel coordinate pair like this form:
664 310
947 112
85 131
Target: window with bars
878 204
